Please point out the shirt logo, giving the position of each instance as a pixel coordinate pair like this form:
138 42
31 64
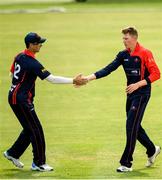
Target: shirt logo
136 60
43 70
12 87
133 108
150 60
134 71
126 60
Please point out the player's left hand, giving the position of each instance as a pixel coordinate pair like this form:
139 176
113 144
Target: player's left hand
131 88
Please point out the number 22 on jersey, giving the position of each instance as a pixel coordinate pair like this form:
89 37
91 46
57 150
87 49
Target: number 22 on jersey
17 70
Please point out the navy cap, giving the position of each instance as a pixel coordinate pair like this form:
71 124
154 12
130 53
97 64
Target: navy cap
33 38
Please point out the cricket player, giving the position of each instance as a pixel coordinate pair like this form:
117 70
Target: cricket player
25 70
141 70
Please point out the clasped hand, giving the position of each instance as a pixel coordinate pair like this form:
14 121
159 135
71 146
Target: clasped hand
80 80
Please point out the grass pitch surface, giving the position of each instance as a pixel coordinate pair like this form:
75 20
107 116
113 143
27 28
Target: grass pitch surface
84 128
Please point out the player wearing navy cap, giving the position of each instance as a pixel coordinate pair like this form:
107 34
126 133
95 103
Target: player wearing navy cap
25 70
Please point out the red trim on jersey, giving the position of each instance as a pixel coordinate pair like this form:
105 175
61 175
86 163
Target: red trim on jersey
26 52
12 67
16 89
151 66
13 64
147 62
30 94
29 97
29 53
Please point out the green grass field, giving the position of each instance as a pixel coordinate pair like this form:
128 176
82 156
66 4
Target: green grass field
84 128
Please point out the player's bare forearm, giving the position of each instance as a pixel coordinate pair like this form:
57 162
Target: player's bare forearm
85 79
90 77
133 87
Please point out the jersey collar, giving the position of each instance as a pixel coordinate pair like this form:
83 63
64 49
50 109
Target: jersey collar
29 53
136 48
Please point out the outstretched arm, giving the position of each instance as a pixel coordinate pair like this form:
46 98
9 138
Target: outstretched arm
59 79
110 67
106 70
103 72
78 80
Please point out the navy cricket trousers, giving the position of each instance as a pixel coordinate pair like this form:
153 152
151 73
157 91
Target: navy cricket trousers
32 133
135 108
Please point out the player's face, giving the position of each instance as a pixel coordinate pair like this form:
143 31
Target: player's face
129 40
35 47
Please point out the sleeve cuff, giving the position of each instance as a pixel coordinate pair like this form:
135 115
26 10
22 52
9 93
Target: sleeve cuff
97 75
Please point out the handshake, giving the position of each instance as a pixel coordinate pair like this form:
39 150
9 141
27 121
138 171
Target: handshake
80 80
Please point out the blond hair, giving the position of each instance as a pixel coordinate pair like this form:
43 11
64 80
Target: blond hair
130 30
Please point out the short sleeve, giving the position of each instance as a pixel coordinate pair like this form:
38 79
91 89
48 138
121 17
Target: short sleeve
39 70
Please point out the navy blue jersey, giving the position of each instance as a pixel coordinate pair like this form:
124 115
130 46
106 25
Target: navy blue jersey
25 70
138 65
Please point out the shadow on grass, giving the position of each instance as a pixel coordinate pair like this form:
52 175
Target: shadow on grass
25 174
136 173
